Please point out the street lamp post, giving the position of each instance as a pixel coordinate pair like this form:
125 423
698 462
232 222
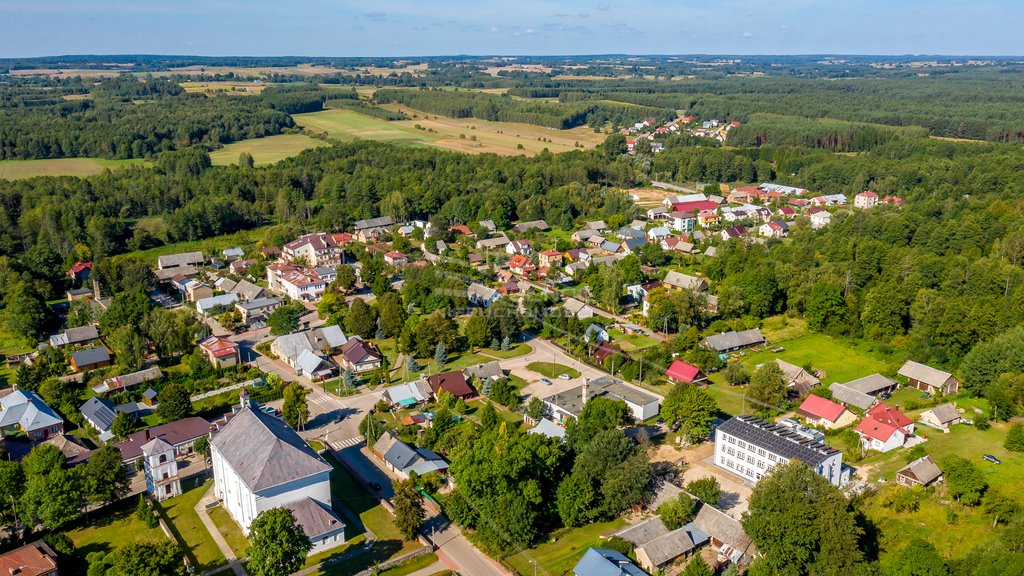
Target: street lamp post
534 562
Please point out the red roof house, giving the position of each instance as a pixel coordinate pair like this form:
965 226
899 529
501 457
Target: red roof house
891 416
694 206
825 413
884 428
453 383
221 352
461 229
680 371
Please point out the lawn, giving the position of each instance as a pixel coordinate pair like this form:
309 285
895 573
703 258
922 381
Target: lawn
558 557
189 529
266 150
632 343
113 527
552 369
18 169
930 523
456 134
410 566
840 360
514 352
230 530
208 246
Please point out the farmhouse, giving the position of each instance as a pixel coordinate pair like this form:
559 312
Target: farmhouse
569 404
260 463
732 341
872 385
539 225
850 397
496 243
751 448
821 412
90 359
24 410
679 281
403 459
127 381
681 372
884 429
928 379
943 416
921 472
798 380
656 546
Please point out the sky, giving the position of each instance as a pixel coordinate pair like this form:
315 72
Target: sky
520 27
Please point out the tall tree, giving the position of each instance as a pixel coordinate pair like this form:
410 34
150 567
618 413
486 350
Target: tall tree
361 319
392 314
801 525
693 408
825 308
706 489
408 503
104 477
767 388
145 559
295 409
129 347
277 544
173 403
697 566
477 328
285 319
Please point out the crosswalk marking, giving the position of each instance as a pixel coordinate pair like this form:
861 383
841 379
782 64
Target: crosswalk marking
346 443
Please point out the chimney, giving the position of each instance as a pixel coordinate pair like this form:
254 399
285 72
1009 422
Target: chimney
243 397
147 434
95 288
586 381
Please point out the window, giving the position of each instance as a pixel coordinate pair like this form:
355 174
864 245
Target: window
750 459
728 463
772 457
163 458
743 444
730 439
760 452
731 452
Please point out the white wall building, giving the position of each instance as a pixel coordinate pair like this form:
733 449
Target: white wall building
751 447
260 463
161 469
569 404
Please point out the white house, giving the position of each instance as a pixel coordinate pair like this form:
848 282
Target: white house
260 463
774 229
884 428
819 218
162 480
480 295
866 199
569 404
316 249
751 448
297 282
523 247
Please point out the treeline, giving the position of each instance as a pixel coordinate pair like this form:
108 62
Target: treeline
296 98
366 109
837 135
506 109
132 119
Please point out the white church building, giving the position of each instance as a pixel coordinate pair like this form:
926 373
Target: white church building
260 463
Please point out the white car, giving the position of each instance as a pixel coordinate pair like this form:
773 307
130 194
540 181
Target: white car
564 376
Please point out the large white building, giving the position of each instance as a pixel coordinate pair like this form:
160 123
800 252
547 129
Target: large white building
296 282
751 448
316 249
260 463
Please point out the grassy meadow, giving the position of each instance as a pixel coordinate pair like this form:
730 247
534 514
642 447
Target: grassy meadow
267 150
19 169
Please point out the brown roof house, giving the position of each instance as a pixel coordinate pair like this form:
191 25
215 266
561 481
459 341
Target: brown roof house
35 559
453 383
920 472
928 379
360 356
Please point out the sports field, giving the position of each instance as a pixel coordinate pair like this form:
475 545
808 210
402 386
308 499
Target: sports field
267 150
455 134
18 169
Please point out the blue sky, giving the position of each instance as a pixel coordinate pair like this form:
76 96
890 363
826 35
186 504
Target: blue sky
431 27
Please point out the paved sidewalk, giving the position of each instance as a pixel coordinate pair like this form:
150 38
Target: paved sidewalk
431 570
218 538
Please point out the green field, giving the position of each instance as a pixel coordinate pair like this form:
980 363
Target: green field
189 529
117 526
207 246
267 150
230 530
18 169
462 134
558 557
631 342
552 369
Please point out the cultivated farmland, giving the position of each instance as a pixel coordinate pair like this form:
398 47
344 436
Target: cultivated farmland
18 169
267 150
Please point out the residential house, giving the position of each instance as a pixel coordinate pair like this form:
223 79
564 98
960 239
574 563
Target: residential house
787 213
866 199
819 218
408 394
659 233
596 332
80 272
453 383
751 448
850 397
395 258
77 294
80 336
486 371
601 562
90 359
657 213
731 341
632 245
128 381
921 472
495 243
733 233
248 291
321 341
894 200
521 265
214 304
631 232
679 281
782 189
585 235
774 229
360 356
196 290
829 200
221 352
818 411
708 218
539 225
232 253
569 404
681 372
884 429
258 308
296 282
372 229
35 559
597 226
181 434
578 309
24 410
480 295
604 350
523 247
260 463
928 379
684 222
403 459
489 226
798 380
550 258
943 416
610 247
184 259
655 546
314 366
679 244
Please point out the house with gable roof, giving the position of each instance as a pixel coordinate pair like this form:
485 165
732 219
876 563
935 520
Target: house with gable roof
25 410
884 428
825 413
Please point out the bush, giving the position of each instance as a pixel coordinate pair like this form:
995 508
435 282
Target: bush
1015 438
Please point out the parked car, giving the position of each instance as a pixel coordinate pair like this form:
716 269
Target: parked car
991 458
564 376
885 395
546 381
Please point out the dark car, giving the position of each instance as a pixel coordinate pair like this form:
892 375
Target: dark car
375 486
991 458
885 395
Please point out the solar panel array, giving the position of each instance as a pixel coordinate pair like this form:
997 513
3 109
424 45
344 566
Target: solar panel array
777 439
